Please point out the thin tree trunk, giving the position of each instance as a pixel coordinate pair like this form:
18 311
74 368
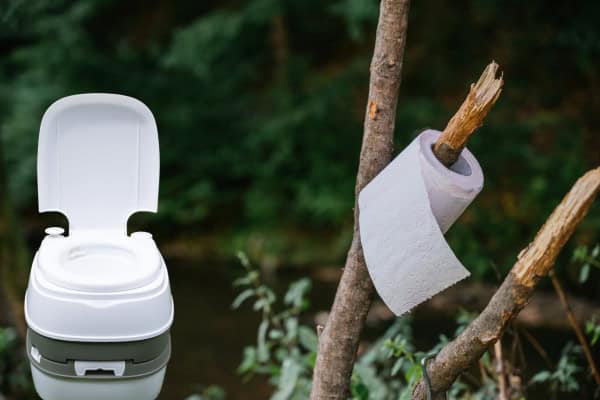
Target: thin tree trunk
338 342
534 262
500 372
575 325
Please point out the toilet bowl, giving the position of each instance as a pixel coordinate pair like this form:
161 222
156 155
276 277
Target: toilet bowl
98 305
100 263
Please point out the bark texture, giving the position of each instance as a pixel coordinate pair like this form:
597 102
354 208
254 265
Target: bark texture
534 262
482 96
338 342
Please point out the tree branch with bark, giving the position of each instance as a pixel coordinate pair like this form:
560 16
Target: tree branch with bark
533 263
338 342
481 98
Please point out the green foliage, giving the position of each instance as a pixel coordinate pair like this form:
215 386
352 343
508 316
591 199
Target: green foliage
200 78
587 259
285 349
210 393
260 105
357 14
390 368
564 377
592 329
14 370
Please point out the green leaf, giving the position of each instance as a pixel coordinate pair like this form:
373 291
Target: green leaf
214 392
589 326
308 338
413 373
311 359
367 375
249 361
397 366
290 371
245 295
584 273
596 251
243 257
262 349
275 334
247 279
291 326
264 303
296 292
593 331
580 253
541 376
360 391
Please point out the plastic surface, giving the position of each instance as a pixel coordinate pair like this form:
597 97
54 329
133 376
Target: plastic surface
98 290
67 359
98 160
116 368
91 316
96 262
54 388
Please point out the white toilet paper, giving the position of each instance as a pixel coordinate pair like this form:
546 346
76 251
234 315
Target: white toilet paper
404 213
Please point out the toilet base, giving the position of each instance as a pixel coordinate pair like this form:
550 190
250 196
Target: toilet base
51 387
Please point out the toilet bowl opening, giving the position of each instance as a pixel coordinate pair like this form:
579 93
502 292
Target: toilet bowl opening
93 256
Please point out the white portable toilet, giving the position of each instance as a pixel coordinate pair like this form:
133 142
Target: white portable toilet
98 305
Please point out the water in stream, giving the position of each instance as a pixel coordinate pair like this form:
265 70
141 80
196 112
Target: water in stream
208 336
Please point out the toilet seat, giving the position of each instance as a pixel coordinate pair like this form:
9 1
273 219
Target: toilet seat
98 163
95 262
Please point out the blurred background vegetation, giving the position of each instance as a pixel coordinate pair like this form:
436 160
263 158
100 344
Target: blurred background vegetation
259 105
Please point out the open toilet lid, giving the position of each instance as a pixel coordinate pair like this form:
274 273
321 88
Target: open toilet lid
98 160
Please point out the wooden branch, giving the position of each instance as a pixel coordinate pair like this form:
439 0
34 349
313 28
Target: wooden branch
575 325
534 262
542 311
482 96
502 387
538 347
339 340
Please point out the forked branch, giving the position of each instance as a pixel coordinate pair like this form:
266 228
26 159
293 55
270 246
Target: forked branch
534 262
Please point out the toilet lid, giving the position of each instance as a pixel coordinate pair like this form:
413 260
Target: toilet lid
98 160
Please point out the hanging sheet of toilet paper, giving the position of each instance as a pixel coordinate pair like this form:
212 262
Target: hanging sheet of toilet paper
404 213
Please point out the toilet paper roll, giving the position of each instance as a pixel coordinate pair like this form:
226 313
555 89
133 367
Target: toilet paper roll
404 213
